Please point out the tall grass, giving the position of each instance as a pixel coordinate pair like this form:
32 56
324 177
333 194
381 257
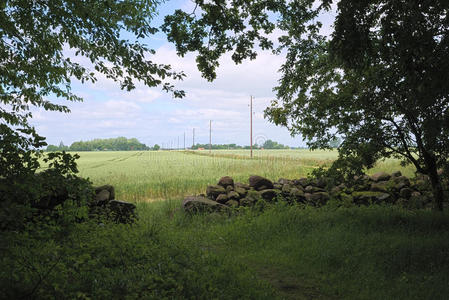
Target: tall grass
150 175
374 252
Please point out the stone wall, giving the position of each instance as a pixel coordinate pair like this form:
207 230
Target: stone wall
363 190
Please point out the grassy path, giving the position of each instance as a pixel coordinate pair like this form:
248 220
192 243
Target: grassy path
353 253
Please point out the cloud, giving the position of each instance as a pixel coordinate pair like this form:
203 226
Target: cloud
153 116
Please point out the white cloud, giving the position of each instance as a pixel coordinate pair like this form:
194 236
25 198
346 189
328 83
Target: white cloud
154 117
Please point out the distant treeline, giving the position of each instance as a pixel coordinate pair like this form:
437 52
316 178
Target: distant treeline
124 144
113 144
268 144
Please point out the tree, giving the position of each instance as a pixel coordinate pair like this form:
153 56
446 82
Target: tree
269 144
335 142
156 147
33 61
35 38
379 81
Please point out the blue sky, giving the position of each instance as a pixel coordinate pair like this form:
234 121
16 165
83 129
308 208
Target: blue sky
154 117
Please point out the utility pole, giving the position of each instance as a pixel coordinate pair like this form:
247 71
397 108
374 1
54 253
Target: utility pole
251 126
210 136
184 140
193 140
178 142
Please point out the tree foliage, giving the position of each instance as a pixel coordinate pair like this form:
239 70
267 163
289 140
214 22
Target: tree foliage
37 38
112 144
269 144
379 81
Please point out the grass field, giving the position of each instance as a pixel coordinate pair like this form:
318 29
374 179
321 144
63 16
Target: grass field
279 252
150 175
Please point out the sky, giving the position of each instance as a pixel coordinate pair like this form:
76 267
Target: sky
154 117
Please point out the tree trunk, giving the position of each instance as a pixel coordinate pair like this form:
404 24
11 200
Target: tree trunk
435 180
437 190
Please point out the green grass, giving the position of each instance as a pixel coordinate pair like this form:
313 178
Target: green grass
283 252
150 175
353 253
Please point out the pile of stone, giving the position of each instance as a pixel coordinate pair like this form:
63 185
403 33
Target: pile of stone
363 190
104 204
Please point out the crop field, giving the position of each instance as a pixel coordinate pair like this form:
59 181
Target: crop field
143 176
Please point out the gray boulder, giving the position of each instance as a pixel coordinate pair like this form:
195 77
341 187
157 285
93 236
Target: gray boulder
226 181
121 211
405 193
222 198
317 199
396 174
260 183
301 182
380 176
102 197
194 204
284 181
242 185
268 194
232 203
241 191
212 191
229 188
108 188
233 195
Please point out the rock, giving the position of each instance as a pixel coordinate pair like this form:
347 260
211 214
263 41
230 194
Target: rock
321 183
396 174
380 176
347 199
107 187
402 202
233 195
302 182
286 189
260 183
213 191
368 197
339 188
102 198
379 186
284 181
417 201
229 188
222 198
251 198
193 204
313 189
362 179
405 193
401 181
242 185
297 194
308 189
226 181
268 194
277 186
121 211
317 199
232 203
241 191
422 185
